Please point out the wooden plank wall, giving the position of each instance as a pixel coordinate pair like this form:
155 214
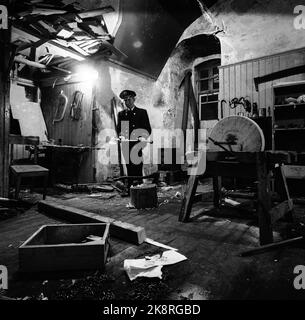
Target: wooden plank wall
236 80
70 132
4 111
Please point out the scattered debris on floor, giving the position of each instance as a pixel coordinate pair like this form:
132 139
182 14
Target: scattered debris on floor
95 287
149 289
10 208
158 244
150 267
101 195
231 202
88 187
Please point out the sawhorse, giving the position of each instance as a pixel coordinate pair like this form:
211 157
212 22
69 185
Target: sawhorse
257 165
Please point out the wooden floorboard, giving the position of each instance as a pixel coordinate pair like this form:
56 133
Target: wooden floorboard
211 243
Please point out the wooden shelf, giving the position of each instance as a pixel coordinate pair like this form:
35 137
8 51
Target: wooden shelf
289 84
289 105
285 114
288 129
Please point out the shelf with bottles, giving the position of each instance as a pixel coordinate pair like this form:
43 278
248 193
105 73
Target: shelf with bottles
289 93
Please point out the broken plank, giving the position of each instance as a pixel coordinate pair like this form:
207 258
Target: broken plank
119 229
56 47
95 12
78 49
47 26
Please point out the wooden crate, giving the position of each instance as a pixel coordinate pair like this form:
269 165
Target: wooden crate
61 247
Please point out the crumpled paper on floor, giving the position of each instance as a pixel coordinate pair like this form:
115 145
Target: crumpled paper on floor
150 267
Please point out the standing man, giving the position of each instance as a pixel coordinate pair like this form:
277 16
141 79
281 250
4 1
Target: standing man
133 127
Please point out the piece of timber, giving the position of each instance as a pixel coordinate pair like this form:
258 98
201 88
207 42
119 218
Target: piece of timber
270 246
240 195
118 229
278 74
186 101
264 200
187 200
55 47
194 109
217 190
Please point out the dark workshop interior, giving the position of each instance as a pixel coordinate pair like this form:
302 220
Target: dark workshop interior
213 210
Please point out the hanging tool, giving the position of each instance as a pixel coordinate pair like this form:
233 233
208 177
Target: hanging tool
113 115
221 108
61 107
76 107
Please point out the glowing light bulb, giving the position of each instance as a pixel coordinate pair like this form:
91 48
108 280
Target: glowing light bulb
86 73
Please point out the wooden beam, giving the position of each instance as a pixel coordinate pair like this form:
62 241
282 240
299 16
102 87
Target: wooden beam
30 63
5 35
185 114
118 229
187 201
217 191
194 109
264 200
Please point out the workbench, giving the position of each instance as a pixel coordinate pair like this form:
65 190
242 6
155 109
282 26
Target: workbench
258 165
64 159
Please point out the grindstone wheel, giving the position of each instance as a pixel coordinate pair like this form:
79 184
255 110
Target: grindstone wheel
241 133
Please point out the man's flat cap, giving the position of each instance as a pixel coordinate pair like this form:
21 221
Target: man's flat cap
127 93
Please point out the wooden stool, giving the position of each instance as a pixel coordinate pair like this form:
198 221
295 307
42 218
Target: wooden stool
23 171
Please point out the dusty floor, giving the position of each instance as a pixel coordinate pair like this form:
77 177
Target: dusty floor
211 241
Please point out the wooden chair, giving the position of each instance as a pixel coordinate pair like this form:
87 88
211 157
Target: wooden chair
20 171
